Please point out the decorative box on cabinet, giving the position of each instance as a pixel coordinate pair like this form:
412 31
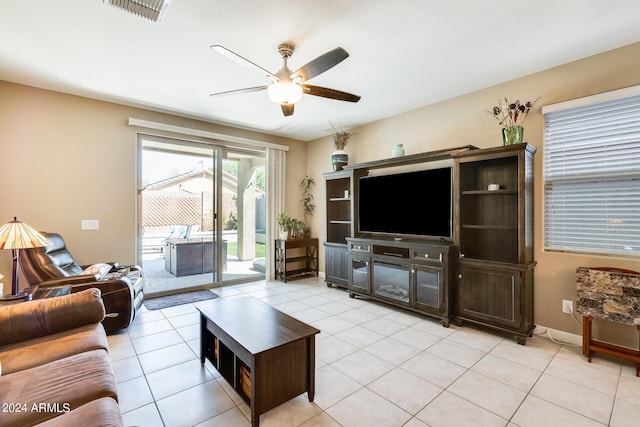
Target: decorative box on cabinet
494 229
414 274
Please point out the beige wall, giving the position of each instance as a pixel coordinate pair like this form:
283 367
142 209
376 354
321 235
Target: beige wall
463 121
65 158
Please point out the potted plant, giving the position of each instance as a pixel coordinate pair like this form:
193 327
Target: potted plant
341 137
307 201
284 222
297 228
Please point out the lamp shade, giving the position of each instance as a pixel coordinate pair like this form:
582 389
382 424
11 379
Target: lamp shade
18 235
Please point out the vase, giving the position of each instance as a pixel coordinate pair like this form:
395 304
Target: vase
398 151
339 159
512 135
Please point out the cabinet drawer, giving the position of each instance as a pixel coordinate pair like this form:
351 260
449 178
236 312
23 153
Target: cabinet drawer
428 254
360 247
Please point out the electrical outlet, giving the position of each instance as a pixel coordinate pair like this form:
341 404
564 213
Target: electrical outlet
567 306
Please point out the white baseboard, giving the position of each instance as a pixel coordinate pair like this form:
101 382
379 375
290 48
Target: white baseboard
559 336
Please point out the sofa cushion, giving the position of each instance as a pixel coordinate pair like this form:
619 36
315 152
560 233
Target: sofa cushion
34 319
38 351
62 385
103 412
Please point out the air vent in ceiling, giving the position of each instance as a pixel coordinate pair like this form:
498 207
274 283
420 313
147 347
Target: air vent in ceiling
152 10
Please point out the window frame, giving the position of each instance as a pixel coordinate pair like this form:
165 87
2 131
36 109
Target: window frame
549 242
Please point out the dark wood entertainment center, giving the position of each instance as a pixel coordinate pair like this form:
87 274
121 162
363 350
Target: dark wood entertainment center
483 274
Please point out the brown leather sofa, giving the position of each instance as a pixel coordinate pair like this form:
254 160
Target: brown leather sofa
54 265
56 369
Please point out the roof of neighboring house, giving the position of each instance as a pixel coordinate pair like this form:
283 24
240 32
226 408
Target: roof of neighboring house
173 183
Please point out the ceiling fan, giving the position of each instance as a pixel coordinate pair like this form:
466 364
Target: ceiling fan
287 86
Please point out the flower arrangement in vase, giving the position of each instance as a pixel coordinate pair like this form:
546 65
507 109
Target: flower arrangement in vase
511 116
341 137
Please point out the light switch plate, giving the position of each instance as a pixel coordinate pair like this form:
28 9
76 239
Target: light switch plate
90 224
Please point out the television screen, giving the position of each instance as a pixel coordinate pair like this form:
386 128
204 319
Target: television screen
413 203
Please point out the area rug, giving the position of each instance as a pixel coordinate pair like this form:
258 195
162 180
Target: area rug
178 299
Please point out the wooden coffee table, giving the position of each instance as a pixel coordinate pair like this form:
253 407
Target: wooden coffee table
267 356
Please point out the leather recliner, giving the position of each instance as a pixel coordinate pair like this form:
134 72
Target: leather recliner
55 266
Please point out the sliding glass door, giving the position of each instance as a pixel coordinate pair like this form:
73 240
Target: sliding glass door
199 213
243 215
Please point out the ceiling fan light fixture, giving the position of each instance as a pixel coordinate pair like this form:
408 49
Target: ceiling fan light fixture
153 10
284 92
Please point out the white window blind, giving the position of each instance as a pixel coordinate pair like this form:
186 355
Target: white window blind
592 177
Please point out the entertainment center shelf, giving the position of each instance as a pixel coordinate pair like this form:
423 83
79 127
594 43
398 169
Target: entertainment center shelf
486 192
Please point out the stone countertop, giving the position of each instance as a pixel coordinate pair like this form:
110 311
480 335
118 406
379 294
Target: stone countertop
608 294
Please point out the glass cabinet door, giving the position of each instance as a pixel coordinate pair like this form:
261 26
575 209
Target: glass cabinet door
428 286
359 271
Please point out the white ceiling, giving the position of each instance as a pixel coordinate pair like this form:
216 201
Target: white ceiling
404 54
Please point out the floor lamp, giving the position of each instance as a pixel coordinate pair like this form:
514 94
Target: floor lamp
16 235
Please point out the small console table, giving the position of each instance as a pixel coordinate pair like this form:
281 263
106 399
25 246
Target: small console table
609 294
302 253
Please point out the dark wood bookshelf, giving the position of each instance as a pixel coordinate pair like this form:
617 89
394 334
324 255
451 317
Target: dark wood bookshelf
494 231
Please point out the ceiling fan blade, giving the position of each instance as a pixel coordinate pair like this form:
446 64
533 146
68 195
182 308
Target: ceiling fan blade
287 109
237 91
243 61
330 93
321 64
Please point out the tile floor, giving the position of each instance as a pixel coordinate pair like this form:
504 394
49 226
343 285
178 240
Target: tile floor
376 366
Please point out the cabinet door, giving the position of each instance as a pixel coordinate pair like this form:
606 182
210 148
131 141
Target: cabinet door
490 294
428 288
359 272
336 260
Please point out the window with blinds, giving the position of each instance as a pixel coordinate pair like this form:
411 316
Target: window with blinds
592 175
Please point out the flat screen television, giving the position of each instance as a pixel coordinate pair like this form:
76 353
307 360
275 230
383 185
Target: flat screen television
410 204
